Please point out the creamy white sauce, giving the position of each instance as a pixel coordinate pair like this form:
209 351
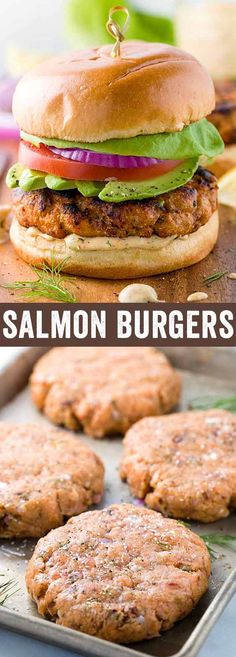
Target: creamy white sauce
76 243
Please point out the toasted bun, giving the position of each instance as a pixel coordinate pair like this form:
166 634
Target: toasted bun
115 263
89 96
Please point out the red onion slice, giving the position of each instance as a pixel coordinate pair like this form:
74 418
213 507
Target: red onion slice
105 159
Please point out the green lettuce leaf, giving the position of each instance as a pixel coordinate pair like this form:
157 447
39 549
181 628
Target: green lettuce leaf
199 138
86 23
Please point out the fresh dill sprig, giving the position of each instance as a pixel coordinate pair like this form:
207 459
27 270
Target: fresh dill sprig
7 589
208 280
227 404
50 283
223 540
182 522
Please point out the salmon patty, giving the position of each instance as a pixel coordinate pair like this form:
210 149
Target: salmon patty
179 212
46 477
103 390
184 465
123 574
224 115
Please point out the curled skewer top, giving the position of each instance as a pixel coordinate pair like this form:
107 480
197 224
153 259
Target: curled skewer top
115 30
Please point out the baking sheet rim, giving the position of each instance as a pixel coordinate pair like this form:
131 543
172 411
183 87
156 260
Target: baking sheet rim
89 645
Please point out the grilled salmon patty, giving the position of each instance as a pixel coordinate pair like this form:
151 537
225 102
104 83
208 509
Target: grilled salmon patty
224 114
179 212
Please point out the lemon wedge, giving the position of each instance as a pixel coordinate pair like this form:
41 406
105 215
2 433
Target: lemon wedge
227 188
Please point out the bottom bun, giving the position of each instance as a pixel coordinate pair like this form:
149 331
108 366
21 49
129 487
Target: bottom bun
115 258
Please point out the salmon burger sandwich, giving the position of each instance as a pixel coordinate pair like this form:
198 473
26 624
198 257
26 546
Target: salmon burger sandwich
110 177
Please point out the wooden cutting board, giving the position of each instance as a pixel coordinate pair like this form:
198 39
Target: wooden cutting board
173 287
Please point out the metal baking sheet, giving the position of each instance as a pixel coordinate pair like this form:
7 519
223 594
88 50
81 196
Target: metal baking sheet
186 637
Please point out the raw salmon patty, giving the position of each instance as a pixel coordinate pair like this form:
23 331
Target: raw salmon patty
46 477
103 390
184 465
123 574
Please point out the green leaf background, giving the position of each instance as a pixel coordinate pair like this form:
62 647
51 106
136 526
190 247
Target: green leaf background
86 24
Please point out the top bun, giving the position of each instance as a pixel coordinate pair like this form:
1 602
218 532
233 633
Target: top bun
90 96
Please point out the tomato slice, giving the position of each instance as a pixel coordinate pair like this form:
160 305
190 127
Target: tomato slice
42 159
